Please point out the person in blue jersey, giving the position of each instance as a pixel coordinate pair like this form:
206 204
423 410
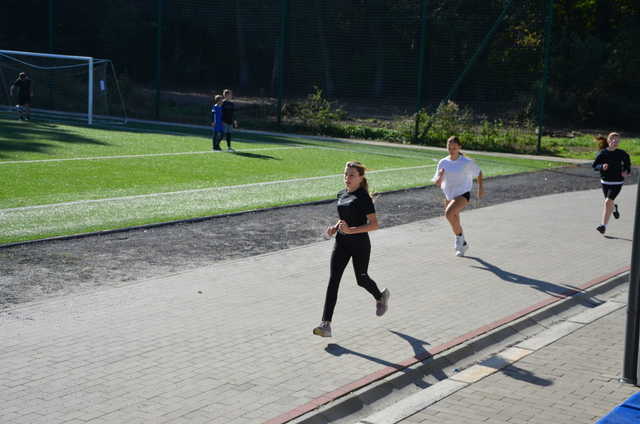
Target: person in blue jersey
454 175
23 91
216 122
228 120
614 164
357 218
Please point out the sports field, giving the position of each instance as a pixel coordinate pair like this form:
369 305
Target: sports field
67 179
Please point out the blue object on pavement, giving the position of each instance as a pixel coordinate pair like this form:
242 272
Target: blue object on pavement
626 413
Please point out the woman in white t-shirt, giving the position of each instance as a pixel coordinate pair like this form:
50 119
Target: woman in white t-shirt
454 175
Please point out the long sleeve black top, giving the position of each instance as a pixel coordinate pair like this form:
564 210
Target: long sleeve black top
618 161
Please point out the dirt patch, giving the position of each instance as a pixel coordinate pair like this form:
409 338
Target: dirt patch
41 270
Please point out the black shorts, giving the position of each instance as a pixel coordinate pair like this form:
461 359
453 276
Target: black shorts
467 196
611 191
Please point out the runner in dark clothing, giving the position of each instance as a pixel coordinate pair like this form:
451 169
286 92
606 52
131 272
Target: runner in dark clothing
228 120
357 218
614 164
23 95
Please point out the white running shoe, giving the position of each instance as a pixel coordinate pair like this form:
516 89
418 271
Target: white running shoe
323 330
460 251
383 304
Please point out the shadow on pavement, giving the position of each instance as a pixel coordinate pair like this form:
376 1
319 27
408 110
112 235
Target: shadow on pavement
337 350
521 374
617 238
551 289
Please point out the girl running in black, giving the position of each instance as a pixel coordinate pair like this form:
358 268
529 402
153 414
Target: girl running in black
357 218
614 164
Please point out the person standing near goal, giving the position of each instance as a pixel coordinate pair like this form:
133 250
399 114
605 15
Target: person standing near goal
454 175
216 121
614 164
228 121
24 94
357 219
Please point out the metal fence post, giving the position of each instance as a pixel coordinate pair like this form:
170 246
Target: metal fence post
632 335
548 29
284 11
422 46
160 12
51 26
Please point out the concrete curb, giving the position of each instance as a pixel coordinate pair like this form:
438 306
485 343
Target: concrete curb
364 391
475 373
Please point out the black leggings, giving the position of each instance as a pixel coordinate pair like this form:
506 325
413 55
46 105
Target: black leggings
345 248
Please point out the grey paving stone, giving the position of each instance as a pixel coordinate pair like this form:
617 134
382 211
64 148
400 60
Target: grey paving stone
574 397
249 330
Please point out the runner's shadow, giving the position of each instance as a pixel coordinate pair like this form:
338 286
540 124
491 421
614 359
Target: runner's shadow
337 350
253 155
617 238
527 376
543 286
420 353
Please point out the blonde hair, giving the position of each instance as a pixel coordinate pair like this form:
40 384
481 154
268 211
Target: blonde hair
361 170
217 98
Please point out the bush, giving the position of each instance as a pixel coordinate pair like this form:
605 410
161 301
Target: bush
316 112
477 133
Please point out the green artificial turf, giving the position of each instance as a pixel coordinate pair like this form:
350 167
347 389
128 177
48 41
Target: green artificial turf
63 179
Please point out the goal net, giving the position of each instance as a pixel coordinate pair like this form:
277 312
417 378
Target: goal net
64 87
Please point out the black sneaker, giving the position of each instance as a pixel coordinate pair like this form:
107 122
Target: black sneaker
616 213
601 229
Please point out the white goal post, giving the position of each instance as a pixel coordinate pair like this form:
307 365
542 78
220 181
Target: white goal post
60 59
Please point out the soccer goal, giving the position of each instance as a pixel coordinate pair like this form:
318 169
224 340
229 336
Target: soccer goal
64 87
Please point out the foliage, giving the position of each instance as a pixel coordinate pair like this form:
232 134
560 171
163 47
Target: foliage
316 112
358 49
477 133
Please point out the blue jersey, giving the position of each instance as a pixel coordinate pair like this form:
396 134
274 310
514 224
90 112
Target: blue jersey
216 117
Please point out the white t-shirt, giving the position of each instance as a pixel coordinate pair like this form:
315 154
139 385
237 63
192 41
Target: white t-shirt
458 176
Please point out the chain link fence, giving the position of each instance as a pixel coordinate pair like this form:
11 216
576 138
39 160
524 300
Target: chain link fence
476 68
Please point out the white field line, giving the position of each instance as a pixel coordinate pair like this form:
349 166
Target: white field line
146 155
150 155
199 190
395 155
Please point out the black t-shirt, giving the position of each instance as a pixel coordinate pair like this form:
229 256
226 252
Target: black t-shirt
617 160
354 207
227 112
24 86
